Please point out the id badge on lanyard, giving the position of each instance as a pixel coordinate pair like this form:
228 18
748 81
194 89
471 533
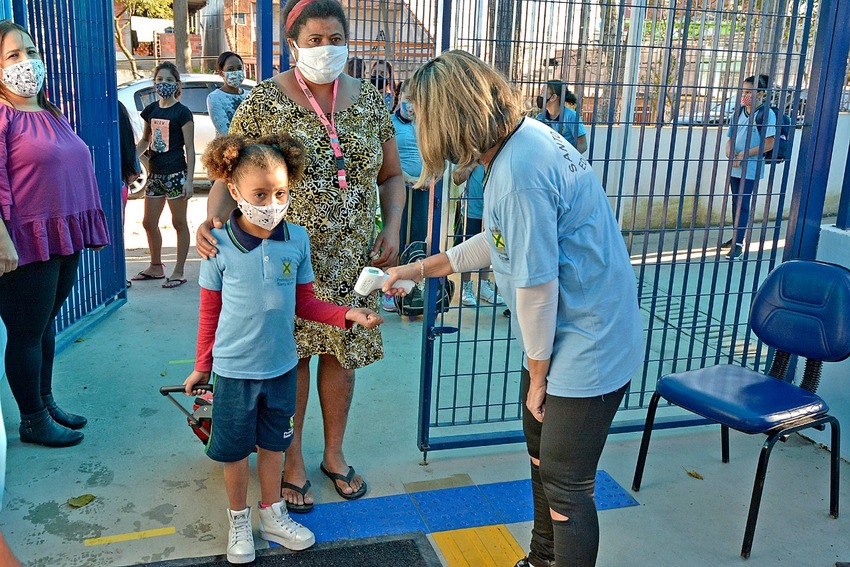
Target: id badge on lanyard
330 128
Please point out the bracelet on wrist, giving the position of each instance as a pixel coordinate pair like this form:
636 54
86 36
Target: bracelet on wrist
421 269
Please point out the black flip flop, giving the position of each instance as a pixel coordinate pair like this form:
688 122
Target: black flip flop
142 277
302 490
347 480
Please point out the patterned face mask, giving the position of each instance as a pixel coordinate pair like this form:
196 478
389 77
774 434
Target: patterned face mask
24 78
234 78
263 216
165 90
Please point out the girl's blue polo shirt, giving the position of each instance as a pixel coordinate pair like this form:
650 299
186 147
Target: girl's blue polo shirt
257 279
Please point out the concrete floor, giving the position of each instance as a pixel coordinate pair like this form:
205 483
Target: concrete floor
148 471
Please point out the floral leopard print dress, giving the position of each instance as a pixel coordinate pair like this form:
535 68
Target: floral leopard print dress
340 222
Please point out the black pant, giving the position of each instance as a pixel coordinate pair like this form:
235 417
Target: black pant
568 444
416 207
30 299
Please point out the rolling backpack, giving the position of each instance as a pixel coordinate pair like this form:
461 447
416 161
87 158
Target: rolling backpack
413 304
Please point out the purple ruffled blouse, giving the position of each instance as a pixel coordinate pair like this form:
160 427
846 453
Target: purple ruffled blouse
49 199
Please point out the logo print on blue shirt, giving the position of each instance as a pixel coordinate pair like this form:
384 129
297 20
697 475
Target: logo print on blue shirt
287 268
498 239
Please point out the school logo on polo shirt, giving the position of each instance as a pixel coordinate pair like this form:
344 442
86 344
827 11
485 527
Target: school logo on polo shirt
287 271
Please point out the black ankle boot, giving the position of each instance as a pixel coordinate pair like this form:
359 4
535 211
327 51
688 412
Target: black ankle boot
40 428
60 416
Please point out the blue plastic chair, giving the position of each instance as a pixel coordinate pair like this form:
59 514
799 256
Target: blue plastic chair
802 309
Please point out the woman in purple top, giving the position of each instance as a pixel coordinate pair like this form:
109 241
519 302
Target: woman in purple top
49 211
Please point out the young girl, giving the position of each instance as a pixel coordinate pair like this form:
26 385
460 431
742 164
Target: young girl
251 292
223 102
169 135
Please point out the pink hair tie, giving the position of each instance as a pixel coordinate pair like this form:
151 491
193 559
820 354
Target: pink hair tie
295 12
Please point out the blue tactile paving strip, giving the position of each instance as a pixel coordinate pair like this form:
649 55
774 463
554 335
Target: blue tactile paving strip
455 508
441 510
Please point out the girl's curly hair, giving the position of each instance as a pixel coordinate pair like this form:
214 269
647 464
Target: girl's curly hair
227 155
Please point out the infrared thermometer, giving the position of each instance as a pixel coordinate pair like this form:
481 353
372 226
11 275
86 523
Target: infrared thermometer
373 278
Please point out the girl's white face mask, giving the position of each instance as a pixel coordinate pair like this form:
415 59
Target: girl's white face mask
24 78
321 65
264 216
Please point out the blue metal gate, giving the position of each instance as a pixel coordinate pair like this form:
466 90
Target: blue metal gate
75 40
656 85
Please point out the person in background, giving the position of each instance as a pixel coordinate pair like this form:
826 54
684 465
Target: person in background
560 117
468 223
251 292
130 166
170 137
559 259
381 76
355 68
49 211
351 156
414 219
223 102
7 558
746 148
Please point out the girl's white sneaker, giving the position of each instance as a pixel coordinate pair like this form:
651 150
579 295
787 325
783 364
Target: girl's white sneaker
277 526
240 546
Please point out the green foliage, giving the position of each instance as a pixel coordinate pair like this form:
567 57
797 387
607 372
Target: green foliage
150 8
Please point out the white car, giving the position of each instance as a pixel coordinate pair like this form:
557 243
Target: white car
137 94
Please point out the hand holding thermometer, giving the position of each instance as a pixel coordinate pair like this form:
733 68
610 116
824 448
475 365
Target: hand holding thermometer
372 278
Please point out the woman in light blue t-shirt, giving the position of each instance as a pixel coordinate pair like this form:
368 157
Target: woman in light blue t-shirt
223 102
561 264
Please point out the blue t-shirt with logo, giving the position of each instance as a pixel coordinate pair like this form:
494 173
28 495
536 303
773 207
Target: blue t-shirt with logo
552 220
747 135
257 279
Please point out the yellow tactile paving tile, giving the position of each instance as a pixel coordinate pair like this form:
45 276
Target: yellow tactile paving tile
486 546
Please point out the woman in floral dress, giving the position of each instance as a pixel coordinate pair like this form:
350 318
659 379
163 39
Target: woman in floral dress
335 201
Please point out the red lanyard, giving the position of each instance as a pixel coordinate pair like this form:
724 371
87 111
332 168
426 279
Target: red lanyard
329 126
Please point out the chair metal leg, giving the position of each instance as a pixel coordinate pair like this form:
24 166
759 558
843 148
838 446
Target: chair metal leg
834 450
724 443
644 441
758 488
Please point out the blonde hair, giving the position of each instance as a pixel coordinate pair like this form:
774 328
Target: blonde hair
463 108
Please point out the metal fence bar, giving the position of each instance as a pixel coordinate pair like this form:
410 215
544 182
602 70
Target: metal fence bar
828 80
75 38
658 86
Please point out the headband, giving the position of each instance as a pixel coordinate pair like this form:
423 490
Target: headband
295 13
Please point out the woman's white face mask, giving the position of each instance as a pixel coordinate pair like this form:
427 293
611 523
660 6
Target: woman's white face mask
320 65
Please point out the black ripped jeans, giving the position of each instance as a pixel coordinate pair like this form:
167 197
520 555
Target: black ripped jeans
568 444
30 299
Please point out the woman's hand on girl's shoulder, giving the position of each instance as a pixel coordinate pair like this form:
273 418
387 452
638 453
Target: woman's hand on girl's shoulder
205 241
363 317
